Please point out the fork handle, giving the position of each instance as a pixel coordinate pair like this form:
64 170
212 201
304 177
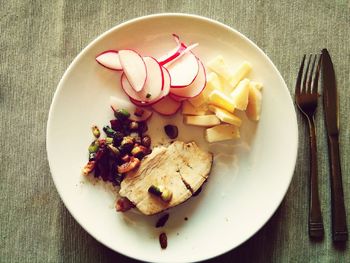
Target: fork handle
339 228
316 229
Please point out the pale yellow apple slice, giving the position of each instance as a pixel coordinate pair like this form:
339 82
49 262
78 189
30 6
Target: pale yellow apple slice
219 66
225 116
241 72
220 99
203 121
213 82
254 103
240 94
222 132
189 109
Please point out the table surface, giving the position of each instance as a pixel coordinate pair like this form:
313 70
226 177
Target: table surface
39 39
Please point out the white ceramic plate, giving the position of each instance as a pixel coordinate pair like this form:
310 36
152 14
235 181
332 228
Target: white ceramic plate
249 178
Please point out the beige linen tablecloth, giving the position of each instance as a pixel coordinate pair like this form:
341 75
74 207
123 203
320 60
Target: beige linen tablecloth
40 38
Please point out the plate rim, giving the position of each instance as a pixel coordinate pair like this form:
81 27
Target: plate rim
180 15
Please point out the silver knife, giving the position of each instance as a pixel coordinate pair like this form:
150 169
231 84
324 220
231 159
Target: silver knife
331 110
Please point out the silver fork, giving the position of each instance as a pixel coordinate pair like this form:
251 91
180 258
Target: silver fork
306 97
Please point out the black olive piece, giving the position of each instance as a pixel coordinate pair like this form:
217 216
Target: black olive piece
171 131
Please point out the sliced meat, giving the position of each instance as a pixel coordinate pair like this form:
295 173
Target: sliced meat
180 167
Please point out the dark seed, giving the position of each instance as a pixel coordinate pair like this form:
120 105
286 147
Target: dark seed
142 127
117 138
171 131
146 141
161 221
163 240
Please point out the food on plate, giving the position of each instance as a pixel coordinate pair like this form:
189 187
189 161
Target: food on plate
123 147
222 132
180 167
202 120
254 103
226 92
162 220
225 116
240 95
171 131
220 99
189 109
163 240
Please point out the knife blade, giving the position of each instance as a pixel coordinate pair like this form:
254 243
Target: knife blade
331 111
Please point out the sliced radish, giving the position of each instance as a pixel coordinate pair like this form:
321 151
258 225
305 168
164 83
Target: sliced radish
167 106
195 88
109 59
141 115
152 89
134 68
167 83
165 91
177 98
183 71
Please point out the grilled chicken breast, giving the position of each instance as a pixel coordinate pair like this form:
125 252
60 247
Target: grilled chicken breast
180 167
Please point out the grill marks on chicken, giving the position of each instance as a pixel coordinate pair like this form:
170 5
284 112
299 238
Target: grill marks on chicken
180 167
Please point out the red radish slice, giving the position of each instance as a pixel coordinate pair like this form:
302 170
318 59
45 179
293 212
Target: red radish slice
183 71
117 103
109 59
134 68
155 80
195 88
167 82
152 89
167 106
177 98
165 91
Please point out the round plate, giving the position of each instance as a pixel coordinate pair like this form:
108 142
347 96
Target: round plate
249 178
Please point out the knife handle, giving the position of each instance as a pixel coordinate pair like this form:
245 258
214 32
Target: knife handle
339 228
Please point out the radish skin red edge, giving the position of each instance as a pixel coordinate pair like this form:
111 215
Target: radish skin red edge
165 91
184 71
134 68
109 59
195 88
153 87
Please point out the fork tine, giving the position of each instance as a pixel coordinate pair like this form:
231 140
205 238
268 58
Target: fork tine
315 83
304 88
300 74
309 81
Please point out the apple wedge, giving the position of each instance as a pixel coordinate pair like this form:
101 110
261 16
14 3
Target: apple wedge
254 103
225 116
221 132
213 82
220 99
219 66
189 109
242 71
240 95
203 121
